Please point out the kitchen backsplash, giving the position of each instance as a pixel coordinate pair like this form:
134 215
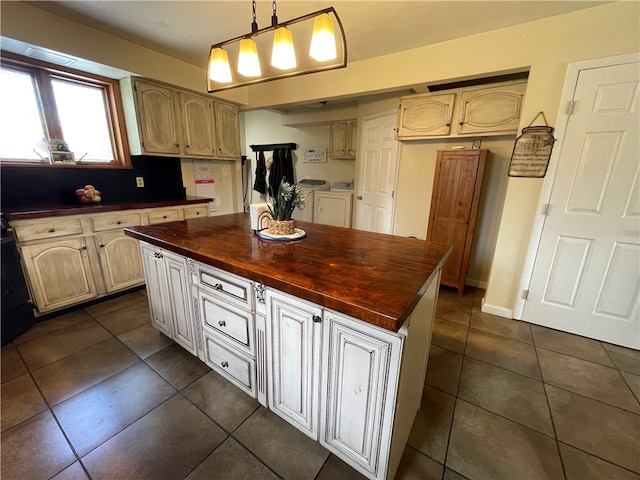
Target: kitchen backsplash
24 186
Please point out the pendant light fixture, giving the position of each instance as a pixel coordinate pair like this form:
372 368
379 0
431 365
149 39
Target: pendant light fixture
244 60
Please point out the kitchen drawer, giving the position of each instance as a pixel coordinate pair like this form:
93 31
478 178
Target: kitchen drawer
226 286
233 325
50 228
196 211
232 365
165 215
101 223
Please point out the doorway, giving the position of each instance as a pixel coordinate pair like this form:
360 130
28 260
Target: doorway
585 273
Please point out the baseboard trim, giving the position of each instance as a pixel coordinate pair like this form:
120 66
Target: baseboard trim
499 311
476 283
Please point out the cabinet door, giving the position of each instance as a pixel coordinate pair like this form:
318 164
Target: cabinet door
197 125
157 117
338 140
60 273
423 116
293 336
156 279
120 260
491 110
227 131
360 371
352 143
179 296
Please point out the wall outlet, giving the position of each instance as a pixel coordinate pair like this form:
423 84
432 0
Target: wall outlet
139 182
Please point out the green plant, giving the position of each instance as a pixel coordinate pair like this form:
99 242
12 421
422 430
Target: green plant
288 198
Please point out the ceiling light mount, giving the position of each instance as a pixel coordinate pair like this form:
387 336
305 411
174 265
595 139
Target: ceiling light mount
269 53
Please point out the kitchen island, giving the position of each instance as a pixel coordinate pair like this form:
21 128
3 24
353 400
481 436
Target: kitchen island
331 332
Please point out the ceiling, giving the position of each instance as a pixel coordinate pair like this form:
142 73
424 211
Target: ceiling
186 29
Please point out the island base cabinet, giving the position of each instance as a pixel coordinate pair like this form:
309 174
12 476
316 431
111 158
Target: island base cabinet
359 385
168 288
293 360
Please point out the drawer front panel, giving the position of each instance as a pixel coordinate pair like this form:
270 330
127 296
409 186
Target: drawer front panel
196 212
232 365
226 286
161 216
50 228
233 324
110 222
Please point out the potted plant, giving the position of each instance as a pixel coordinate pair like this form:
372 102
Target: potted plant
288 198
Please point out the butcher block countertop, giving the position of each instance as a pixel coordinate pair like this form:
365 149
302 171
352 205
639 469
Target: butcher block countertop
373 277
58 209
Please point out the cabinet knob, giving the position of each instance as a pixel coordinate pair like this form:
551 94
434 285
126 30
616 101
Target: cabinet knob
51 230
102 245
83 248
187 146
461 123
359 197
219 286
317 319
119 222
164 216
222 323
224 364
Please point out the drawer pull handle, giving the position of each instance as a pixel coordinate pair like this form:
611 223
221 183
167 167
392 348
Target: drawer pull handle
119 222
164 216
157 255
222 323
51 230
102 245
317 319
225 364
83 248
219 287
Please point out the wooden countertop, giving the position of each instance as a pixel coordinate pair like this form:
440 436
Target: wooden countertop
57 210
373 277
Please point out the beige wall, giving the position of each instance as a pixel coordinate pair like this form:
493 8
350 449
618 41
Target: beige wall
545 47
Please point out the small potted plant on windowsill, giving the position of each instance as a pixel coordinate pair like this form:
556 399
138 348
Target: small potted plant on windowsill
288 198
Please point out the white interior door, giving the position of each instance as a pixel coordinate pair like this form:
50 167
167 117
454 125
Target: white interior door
586 274
376 173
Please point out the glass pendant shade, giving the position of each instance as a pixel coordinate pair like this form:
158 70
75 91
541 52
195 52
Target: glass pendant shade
219 69
283 55
323 42
248 62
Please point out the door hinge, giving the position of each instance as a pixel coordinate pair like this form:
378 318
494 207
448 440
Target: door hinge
571 107
525 295
546 208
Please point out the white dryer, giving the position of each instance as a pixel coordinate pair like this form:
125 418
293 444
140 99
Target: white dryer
334 207
309 186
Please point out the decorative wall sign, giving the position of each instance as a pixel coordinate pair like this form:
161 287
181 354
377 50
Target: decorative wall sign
532 150
315 155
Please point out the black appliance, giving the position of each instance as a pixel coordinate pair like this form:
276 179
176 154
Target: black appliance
17 310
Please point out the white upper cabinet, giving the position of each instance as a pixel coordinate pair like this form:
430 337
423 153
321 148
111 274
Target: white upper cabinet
157 118
166 121
425 115
197 125
491 110
480 110
227 131
343 139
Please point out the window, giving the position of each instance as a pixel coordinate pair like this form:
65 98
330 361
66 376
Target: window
55 116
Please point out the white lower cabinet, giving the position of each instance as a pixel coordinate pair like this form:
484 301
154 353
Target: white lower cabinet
360 372
120 261
335 378
293 360
169 291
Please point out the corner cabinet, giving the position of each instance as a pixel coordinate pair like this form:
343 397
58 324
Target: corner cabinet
166 121
454 207
343 139
480 110
227 131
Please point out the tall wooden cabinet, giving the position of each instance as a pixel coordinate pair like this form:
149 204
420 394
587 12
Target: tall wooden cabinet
454 207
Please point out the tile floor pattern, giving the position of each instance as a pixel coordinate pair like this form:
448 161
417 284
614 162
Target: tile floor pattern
98 393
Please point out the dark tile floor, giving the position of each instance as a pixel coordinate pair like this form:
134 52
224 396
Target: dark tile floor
98 393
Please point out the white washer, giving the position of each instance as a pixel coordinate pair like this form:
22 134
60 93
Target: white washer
309 186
